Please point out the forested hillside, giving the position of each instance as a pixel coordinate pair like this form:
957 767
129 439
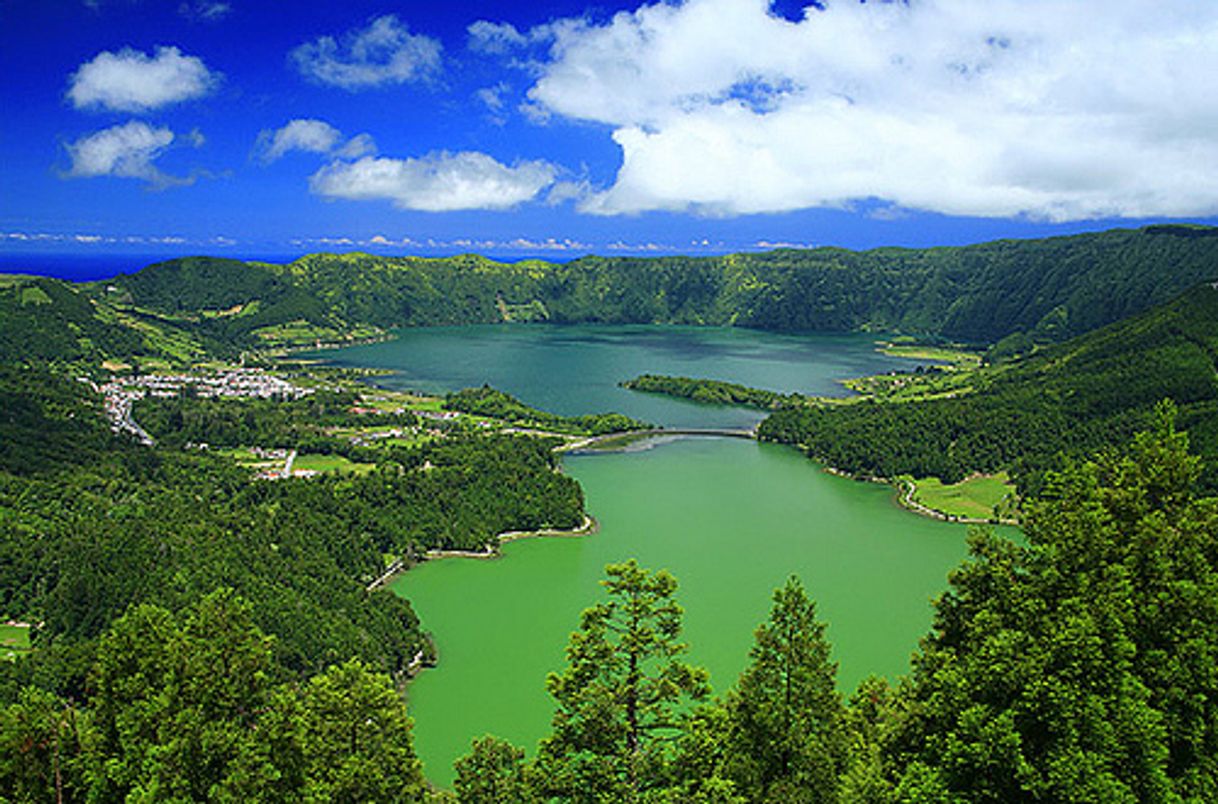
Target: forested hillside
1075 398
43 319
1047 289
92 523
1078 668
1028 292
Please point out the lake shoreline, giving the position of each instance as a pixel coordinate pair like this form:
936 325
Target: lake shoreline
399 567
904 491
588 527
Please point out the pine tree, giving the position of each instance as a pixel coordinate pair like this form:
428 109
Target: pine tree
356 738
492 773
620 697
786 732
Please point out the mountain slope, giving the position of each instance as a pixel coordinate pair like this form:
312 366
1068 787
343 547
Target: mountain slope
1050 289
44 319
1076 398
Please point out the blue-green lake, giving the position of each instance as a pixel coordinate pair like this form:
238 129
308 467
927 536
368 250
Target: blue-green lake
731 519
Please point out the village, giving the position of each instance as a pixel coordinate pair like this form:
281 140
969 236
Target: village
121 393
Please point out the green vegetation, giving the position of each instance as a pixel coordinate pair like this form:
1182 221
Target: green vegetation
14 640
330 463
715 392
1049 289
223 422
193 706
1039 290
1078 668
487 401
619 699
978 497
1076 398
45 319
958 358
1010 294
91 523
202 635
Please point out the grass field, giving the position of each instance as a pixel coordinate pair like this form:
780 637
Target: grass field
975 497
955 357
14 639
329 463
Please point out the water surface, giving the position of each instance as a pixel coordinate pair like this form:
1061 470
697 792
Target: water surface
731 519
576 369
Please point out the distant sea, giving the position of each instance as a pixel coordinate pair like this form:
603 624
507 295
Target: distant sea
91 267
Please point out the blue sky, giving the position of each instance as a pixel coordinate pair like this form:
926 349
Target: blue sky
561 128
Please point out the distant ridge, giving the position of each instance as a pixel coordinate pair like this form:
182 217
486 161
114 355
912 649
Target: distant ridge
1043 290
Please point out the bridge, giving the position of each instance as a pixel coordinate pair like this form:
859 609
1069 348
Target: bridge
593 441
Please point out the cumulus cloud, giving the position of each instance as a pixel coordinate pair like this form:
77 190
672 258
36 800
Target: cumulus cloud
315 136
1051 109
132 81
384 52
312 136
438 182
126 151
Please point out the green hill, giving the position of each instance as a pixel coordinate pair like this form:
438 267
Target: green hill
1026 292
1077 398
44 319
1049 289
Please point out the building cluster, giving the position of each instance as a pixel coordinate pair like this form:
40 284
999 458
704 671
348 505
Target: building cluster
238 383
364 439
438 415
121 393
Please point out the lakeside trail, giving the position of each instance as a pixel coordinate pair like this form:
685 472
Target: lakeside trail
906 500
905 491
588 527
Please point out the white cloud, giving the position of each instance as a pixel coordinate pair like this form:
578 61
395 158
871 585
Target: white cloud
467 243
772 244
495 37
493 96
357 146
384 52
204 10
132 81
312 136
438 182
91 238
126 151
1052 109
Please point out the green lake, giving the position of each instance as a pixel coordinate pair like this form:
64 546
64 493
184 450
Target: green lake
730 518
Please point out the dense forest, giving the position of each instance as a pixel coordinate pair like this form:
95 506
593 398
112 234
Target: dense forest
92 523
1080 667
1048 288
1028 291
712 392
488 401
296 423
1074 399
